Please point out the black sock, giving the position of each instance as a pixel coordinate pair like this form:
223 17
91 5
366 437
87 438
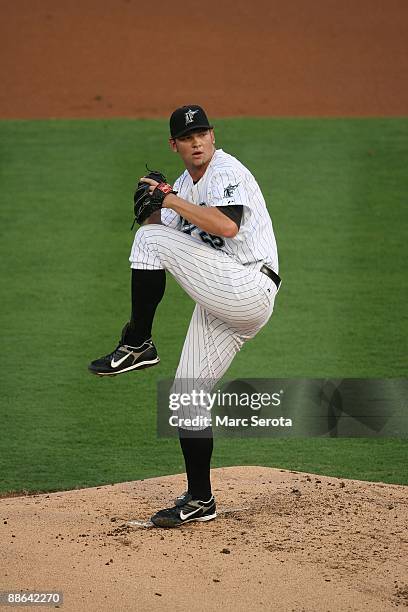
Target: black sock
147 291
197 450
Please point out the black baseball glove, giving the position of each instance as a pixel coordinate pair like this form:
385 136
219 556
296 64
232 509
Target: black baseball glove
145 203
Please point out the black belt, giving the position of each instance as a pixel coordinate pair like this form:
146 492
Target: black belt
272 275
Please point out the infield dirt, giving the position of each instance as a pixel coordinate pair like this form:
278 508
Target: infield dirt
288 541
123 58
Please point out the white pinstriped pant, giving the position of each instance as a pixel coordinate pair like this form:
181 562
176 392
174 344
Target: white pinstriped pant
233 302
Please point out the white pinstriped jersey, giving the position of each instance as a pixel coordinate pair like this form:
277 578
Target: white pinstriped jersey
228 182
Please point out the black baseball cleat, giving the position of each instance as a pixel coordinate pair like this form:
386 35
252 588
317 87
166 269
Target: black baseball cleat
182 499
194 510
125 358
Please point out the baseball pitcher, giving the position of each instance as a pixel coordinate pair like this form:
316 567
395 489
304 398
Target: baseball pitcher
212 231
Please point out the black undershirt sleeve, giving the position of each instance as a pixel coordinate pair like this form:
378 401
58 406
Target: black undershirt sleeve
234 212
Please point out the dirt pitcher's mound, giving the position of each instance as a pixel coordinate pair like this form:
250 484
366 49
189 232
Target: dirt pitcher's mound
283 541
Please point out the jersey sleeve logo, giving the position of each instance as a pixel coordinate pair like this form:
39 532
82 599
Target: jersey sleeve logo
229 190
189 115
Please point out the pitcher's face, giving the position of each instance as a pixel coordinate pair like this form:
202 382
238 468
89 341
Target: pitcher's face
196 150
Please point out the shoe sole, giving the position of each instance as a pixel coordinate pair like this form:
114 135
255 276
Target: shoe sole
138 366
168 524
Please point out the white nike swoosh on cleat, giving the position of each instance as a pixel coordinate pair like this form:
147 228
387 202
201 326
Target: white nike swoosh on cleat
186 516
115 364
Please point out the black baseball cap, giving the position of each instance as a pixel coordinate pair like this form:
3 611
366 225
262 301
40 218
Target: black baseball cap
188 119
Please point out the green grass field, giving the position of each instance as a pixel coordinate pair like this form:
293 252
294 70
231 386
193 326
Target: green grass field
337 193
